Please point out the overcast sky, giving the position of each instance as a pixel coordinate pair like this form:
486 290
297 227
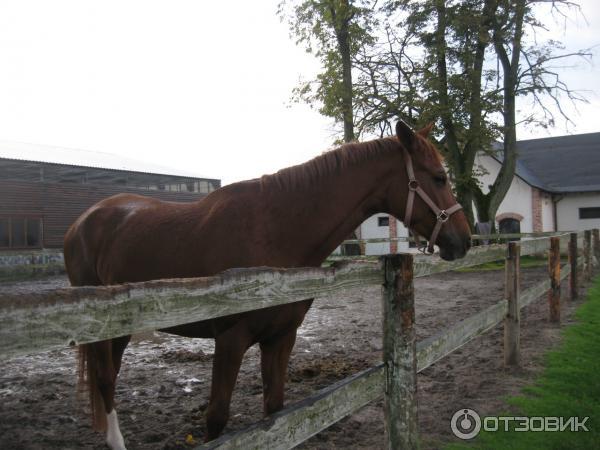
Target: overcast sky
199 85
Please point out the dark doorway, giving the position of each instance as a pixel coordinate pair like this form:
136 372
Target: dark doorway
351 249
510 226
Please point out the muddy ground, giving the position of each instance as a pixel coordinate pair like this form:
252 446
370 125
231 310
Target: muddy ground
164 384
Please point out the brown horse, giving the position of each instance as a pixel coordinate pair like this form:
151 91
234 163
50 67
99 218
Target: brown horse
294 218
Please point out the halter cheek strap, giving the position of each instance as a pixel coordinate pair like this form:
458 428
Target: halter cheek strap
442 215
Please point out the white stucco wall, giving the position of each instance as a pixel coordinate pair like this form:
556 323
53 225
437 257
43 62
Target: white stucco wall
518 198
371 230
547 213
568 211
401 231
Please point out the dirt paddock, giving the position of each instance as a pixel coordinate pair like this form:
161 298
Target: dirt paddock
164 384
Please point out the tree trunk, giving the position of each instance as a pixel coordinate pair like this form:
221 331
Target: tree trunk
465 198
510 68
474 142
442 87
342 18
458 171
347 91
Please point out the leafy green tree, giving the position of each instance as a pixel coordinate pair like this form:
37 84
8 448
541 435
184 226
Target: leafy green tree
476 65
333 30
463 64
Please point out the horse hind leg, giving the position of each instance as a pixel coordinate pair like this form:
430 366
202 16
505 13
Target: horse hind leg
103 362
99 362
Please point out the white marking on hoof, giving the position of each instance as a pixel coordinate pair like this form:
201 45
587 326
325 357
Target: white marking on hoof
114 438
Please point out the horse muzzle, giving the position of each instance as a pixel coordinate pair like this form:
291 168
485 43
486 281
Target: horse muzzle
452 247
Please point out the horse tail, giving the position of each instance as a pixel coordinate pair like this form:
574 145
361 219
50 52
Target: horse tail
81 269
87 380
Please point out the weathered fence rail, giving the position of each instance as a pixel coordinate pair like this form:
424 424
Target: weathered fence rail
45 321
79 315
475 237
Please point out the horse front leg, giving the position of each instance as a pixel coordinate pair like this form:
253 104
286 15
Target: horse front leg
229 352
274 357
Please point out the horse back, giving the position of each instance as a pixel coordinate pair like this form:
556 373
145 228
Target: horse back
97 244
128 238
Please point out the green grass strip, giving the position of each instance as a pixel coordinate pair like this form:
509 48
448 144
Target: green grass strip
568 387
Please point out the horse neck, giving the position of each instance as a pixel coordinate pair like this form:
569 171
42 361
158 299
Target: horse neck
336 204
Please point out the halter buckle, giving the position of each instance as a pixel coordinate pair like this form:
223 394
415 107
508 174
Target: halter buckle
413 185
443 216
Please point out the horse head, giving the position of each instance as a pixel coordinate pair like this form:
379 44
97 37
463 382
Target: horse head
423 197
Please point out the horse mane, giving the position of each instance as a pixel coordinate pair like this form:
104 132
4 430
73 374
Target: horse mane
329 163
334 161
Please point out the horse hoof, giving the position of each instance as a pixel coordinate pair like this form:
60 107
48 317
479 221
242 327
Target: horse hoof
116 444
114 438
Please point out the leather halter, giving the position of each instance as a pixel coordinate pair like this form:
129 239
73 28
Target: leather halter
442 215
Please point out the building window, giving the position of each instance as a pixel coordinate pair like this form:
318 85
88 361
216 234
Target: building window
383 221
17 237
20 232
589 213
33 231
4 235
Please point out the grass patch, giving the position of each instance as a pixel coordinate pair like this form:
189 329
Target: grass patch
568 387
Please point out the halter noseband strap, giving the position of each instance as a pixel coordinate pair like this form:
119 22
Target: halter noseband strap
442 215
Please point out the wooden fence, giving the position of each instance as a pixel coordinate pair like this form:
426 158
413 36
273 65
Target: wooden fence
45 321
474 237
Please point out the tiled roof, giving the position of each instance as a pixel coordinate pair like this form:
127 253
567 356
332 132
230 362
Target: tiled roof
560 164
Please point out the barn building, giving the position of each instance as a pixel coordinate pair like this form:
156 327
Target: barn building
556 188
556 185
44 189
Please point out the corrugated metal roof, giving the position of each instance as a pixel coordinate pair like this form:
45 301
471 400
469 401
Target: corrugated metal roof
560 164
85 158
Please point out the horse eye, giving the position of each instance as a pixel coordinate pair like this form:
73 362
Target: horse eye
440 180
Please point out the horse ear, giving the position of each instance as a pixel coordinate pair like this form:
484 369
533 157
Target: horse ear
424 132
405 134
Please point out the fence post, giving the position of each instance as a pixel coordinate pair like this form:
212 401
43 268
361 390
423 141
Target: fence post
587 260
399 353
573 294
554 271
596 245
512 320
